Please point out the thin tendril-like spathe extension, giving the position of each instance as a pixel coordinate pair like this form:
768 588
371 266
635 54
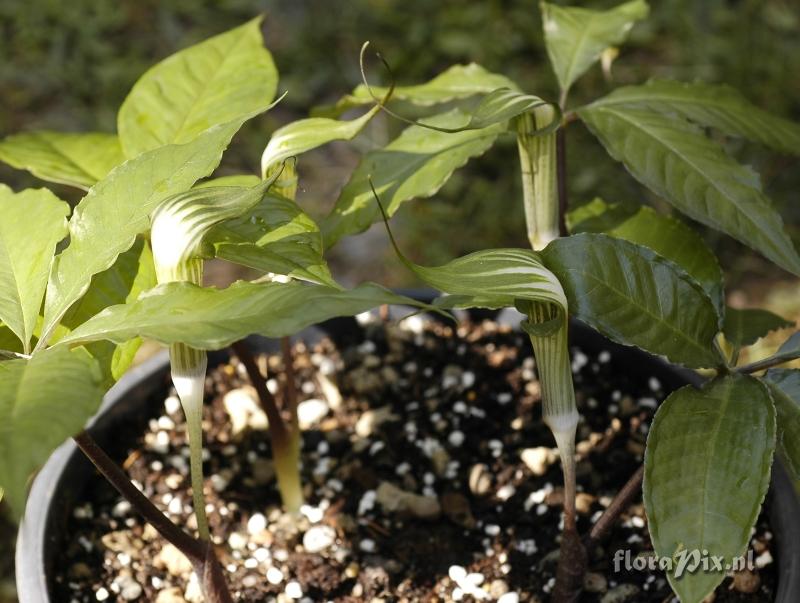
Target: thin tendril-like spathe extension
553 125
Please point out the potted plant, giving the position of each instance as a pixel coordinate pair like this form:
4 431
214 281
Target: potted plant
638 277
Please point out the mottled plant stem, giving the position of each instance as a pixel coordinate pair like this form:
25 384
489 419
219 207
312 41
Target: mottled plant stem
200 553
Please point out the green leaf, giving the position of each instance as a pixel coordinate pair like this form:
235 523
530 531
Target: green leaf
67 158
710 105
306 134
576 37
414 165
214 82
43 401
791 346
667 236
707 469
132 274
106 221
276 236
674 159
636 297
456 83
784 386
26 254
745 327
209 318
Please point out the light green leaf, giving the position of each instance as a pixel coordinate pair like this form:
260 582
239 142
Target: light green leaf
667 236
132 274
214 82
710 105
677 161
245 180
707 468
784 386
414 165
75 159
106 221
276 236
456 83
26 254
636 297
576 37
306 134
43 401
209 318
745 327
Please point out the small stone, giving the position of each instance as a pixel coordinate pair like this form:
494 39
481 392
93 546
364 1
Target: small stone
367 545
509 598
256 524
170 595
274 576
456 438
129 589
621 593
318 538
311 411
293 590
395 500
498 588
457 573
172 405
171 559
538 459
371 419
457 509
245 412
263 471
101 594
506 492
746 581
594 582
480 479
583 503
193 592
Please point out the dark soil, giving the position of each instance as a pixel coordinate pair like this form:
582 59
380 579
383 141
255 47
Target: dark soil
458 408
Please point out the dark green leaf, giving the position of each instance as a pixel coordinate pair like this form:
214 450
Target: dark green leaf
667 236
636 297
745 327
576 37
707 469
678 162
784 385
719 107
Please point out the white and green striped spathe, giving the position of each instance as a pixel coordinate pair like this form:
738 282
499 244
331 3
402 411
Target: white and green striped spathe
494 278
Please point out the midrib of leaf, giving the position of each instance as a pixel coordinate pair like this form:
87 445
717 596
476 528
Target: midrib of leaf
707 473
602 283
574 58
688 162
204 86
18 292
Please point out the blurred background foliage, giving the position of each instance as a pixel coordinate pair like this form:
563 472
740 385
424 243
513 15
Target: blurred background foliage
69 65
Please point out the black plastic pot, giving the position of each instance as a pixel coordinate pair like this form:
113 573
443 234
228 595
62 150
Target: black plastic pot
135 398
